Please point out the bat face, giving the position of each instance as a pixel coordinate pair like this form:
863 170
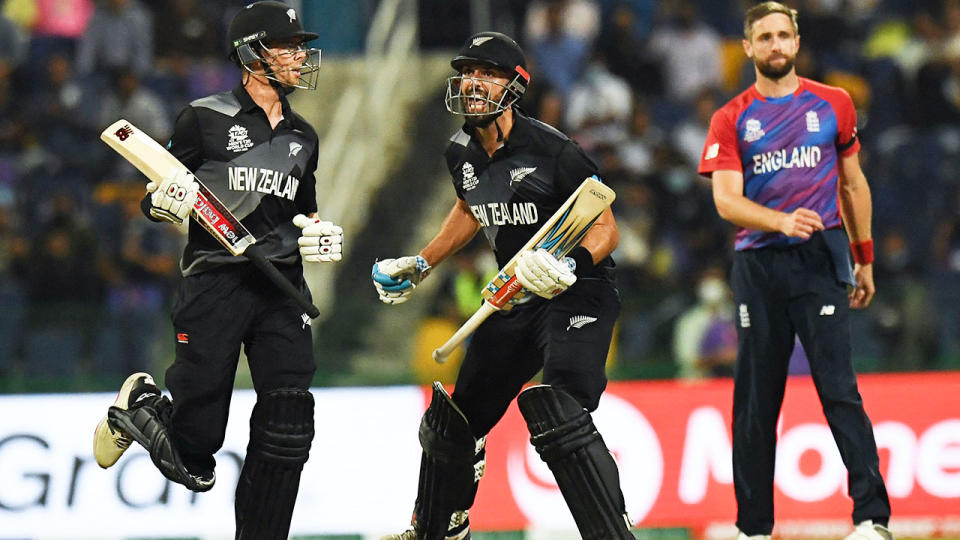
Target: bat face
156 163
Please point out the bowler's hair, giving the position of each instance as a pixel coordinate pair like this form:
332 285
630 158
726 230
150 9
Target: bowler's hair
763 9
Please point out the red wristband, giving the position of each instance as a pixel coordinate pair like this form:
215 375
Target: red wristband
862 252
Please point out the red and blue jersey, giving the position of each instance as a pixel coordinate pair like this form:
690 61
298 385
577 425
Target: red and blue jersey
787 148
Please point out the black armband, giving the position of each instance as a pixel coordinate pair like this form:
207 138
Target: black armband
584 260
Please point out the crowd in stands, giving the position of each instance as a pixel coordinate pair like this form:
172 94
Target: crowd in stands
85 281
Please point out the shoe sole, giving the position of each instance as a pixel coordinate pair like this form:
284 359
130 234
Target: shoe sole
105 449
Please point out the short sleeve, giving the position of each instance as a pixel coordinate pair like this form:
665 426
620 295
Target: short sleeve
847 141
573 167
185 143
720 150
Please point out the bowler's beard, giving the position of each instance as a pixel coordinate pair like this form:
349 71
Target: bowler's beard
774 73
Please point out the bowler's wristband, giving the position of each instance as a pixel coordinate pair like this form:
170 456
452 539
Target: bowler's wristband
584 260
862 252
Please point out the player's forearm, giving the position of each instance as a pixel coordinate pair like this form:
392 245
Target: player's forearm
458 228
856 209
745 213
603 237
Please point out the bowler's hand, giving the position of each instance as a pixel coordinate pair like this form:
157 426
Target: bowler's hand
863 294
801 223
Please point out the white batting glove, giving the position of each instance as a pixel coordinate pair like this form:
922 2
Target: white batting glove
395 279
543 274
320 241
173 198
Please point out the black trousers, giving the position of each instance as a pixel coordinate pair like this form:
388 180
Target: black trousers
214 313
568 337
779 293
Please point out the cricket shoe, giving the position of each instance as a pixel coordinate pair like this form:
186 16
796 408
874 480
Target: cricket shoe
410 534
109 443
868 530
743 536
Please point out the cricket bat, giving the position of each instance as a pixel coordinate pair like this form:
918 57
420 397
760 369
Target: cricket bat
559 235
154 161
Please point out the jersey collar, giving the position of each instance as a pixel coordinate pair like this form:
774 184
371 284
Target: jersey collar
247 104
782 99
520 133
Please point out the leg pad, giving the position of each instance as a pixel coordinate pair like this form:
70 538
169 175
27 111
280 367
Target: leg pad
281 433
447 472
564 435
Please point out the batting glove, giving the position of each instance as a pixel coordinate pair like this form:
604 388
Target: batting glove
395 279
320 241
173 198
543 274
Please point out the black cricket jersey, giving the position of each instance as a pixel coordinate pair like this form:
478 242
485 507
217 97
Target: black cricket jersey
264 176
514 192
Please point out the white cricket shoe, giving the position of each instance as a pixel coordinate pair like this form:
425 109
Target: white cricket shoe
110 443
409 534
868 530
743 536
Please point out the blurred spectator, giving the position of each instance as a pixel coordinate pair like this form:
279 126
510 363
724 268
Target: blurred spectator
58 26
904 323
625 52
13 252
579 19
120 35
138 104
558 52
541 99
690 134
186 30
946 283
705 338
139 276
63 112
64 288
64 262
11 55
689 50
638 152
12 46
598 107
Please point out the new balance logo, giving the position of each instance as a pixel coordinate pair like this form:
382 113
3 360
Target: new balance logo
578 321
744 316
827 310
520 173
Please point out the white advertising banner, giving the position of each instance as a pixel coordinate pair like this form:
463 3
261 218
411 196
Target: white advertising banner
671 441
362 472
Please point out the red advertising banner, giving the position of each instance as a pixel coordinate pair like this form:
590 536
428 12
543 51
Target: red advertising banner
672 443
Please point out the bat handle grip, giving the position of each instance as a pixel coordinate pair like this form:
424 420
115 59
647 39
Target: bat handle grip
257 258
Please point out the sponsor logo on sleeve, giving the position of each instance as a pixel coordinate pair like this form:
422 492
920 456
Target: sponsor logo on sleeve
470 180
712 151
